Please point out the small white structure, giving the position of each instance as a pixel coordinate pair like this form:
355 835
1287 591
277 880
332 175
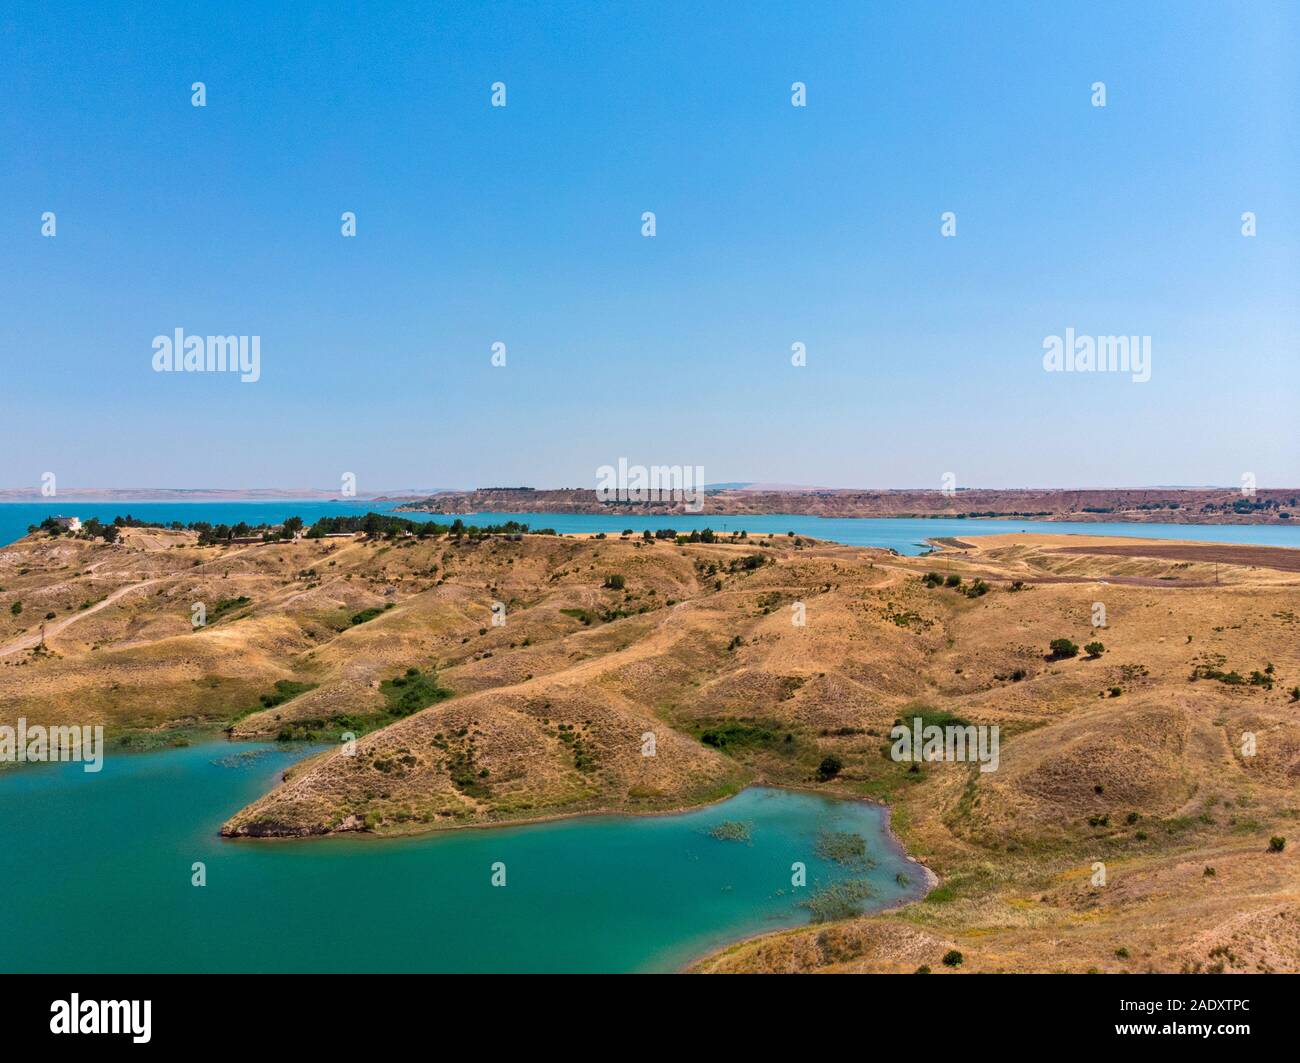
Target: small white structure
72 524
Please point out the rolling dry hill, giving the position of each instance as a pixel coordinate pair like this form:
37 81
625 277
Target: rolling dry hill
1126 767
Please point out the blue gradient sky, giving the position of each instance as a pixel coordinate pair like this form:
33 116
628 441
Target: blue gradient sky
775 224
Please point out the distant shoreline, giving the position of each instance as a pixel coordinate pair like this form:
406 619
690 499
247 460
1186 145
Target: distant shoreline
1277 507
1133 506
84 499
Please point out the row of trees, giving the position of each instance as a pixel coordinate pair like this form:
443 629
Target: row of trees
375 525
1248 505
699 535
381 525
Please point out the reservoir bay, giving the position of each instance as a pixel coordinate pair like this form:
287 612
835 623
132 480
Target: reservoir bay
904 534
96 869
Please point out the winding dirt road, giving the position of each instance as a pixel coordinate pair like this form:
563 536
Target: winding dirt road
52 628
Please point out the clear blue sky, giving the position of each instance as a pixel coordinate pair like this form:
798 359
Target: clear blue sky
775 224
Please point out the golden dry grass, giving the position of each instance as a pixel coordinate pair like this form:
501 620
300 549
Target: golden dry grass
1122 760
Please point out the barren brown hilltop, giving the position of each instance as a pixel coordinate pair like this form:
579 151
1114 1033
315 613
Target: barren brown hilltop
1209 505
1132 759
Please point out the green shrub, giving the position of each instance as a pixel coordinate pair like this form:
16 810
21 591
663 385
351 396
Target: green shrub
830 767
225 606
1276 843
411 693
952 958
1061 648
284 690
736 734
1094 649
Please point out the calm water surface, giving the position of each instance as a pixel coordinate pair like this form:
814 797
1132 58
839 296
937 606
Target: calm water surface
95 869
907 536
95 875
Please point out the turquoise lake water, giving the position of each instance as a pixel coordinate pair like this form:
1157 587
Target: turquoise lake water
907 536
95 875
95 869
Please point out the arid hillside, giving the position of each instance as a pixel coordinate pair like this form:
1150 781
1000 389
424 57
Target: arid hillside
498 679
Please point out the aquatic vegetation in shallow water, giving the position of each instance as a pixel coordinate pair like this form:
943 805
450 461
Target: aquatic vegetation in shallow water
731 830
437 914
243 759
840 900
844 847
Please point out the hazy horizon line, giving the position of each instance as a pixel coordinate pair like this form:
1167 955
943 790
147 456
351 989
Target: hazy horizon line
25 494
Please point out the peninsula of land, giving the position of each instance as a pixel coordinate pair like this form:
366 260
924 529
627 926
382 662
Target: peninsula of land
1180 505
497 675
